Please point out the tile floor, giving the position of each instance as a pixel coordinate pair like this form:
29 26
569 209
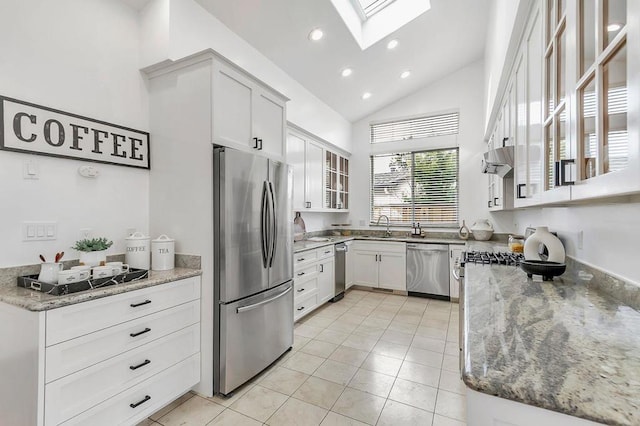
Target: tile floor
370 359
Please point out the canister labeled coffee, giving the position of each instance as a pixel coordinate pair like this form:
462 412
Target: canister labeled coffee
138 252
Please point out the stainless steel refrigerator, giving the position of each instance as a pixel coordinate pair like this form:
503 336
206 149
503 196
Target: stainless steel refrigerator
253 247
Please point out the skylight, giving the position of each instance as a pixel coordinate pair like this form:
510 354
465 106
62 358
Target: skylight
371 7
369 21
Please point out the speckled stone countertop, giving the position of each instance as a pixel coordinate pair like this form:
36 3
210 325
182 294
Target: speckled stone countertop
561 345
303 245
36 301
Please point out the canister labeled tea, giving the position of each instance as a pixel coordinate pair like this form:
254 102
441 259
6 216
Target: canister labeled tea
138 252
163 251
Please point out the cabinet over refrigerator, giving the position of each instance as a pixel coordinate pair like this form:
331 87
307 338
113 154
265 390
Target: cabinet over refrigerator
253 255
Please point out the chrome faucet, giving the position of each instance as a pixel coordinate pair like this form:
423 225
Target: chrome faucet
378 223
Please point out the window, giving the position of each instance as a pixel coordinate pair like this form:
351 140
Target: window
413 128
369 8
412 187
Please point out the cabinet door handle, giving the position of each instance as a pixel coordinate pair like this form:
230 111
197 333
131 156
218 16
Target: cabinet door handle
260 142
308 204
563 172
300 290
489 203
135 305
327 252
495 201
301 259
135 367
321 268
255 145
146 398
380 257
146 330
300 274
300 308
519 190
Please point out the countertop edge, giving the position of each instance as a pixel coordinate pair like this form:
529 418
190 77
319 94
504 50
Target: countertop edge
21 300
310 245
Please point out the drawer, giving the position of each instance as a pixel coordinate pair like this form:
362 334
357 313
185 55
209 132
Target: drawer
75 354
304 288
305 273
326 251
304 306
84 318
303 258
80 391
143 399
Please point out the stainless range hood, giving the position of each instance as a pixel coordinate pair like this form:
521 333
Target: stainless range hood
498 161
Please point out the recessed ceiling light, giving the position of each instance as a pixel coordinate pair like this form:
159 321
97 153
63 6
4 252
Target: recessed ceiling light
392 44
405 74
613 27
366 95
316 34
347 72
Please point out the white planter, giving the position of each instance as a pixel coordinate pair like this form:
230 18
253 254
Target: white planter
482 230
93 258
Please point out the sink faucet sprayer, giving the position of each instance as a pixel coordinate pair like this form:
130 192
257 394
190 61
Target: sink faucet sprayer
378 223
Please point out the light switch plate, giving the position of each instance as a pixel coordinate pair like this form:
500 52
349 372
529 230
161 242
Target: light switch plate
39 231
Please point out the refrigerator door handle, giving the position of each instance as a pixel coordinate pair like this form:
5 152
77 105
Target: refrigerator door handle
274 225
264 232
264 302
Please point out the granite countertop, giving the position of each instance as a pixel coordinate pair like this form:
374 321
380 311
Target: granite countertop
561 345
37 301
303 245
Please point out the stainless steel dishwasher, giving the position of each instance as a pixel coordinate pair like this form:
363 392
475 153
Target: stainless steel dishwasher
428 270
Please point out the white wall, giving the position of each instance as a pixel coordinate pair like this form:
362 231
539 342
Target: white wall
82 57
461 90
193 29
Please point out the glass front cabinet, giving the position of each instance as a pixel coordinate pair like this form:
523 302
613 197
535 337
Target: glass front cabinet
336 181
575 129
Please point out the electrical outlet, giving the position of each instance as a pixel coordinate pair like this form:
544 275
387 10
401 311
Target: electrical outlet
580 239
85 233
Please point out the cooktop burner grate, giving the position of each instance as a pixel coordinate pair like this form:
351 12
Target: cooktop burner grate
493 258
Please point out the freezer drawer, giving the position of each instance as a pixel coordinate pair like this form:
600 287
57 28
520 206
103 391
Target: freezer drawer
254 332
428 270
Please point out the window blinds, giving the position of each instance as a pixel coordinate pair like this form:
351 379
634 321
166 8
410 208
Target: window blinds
414 128
414 187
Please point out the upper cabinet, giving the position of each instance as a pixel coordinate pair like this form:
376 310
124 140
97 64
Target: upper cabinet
320 175
247 114
575 129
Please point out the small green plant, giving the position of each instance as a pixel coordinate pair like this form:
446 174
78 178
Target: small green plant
93 244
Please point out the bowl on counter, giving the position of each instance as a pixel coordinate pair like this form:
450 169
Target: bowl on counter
547 269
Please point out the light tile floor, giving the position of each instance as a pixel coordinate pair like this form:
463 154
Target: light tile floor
369 359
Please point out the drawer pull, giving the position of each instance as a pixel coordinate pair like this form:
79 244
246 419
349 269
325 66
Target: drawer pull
301 259
135 305
327 252
300 274
301 308
146 330
300 290
146 398
135 367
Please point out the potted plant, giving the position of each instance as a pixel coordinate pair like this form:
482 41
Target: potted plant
93 251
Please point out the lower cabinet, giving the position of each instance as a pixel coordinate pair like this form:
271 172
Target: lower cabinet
113 360
380 264
313 279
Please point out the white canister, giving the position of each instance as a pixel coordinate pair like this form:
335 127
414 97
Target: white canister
138 251
163 251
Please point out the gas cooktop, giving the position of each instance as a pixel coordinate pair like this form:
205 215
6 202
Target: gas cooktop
493 258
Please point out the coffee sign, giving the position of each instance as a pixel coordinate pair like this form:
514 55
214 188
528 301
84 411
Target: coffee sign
35 129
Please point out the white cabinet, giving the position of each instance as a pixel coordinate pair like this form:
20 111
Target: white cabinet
455 254
138 350
306 158
313 279
380 264
246 113
320 175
